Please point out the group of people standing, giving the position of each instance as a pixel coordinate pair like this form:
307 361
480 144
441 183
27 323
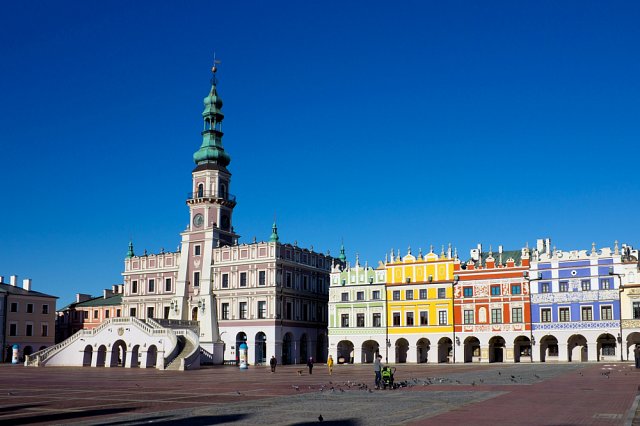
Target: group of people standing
273 362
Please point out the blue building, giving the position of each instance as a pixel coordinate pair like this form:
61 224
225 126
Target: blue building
575 304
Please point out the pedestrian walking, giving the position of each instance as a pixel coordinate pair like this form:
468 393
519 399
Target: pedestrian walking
377 368
310 365
636 353
273 362
330 365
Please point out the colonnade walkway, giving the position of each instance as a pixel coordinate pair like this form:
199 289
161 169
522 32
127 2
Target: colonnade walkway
475 394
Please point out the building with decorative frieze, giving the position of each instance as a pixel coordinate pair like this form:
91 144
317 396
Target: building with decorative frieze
273 297
419 307
491 308
195 305
357 312
575 304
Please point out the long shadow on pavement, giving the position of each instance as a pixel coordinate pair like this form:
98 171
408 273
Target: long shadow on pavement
195 421
56 417
11 408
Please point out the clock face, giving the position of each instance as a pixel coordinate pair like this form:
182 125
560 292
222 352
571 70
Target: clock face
198 220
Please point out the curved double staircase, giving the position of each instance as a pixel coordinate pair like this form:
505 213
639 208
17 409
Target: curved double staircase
127 342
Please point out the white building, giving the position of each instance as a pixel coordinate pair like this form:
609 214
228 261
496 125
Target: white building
357 313
270 295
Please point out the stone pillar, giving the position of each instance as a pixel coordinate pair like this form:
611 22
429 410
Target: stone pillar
563 352
484 353
107 360
129 359
507 354
412 354
159 361
94 358
535 352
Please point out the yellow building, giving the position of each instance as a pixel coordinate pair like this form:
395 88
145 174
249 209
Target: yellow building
419 307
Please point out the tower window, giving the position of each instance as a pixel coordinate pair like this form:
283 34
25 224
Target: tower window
200 190
196 279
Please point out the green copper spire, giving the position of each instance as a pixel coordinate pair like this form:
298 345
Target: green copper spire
274 234
342 257
130 251
211 150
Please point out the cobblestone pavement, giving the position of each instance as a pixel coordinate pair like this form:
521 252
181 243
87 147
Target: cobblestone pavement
526 394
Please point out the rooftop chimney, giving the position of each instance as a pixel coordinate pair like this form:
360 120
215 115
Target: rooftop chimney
26 284
80 297
13 279
107 293
1 279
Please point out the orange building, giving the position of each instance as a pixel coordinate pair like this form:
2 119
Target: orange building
491 310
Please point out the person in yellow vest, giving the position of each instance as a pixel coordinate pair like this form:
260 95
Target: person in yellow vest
330 365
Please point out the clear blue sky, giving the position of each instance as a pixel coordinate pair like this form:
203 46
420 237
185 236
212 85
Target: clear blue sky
386 124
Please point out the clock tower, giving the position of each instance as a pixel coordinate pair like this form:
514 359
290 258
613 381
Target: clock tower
210 223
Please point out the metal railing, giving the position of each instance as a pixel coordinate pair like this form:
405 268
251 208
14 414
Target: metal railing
211 194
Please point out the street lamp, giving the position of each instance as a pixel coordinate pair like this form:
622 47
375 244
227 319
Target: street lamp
527 277
620 290
456 340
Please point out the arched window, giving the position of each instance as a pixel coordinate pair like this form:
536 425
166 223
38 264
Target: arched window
200 190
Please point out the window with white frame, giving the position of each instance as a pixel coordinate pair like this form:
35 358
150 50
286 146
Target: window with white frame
564 315
545 315
424 317
262 309
496 316
409 319
243 310
605 283
606 312
586 313
225 311
344 320
564 286
468 316
516 315
585 285
442 317
377 320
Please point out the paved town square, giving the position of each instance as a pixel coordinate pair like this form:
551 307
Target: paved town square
488 394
